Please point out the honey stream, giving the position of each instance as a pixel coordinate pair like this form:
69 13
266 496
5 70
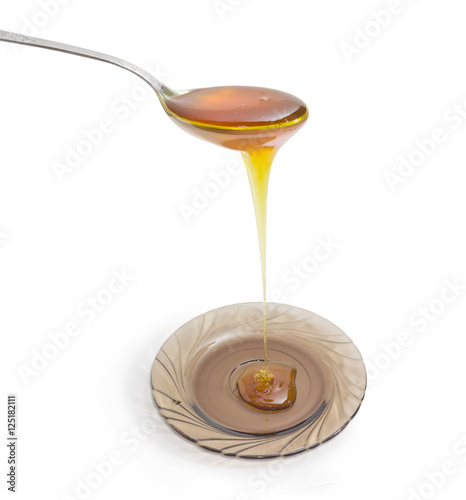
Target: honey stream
255 121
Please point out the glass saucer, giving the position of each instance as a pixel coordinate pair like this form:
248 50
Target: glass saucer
194 380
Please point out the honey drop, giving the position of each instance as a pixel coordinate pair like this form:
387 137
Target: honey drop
270 388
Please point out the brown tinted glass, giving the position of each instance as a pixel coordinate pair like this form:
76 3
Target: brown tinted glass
195 375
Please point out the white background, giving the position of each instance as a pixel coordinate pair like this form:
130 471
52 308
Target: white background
120 209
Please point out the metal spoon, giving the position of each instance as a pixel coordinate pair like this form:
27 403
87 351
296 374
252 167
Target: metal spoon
240 128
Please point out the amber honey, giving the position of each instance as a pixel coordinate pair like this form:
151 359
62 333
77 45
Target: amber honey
264 392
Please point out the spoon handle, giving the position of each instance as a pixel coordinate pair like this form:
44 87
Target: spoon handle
159 87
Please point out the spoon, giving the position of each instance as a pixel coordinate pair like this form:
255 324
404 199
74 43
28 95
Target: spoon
254 120
236 117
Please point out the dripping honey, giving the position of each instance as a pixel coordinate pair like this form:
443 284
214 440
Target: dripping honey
256 121
264 392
